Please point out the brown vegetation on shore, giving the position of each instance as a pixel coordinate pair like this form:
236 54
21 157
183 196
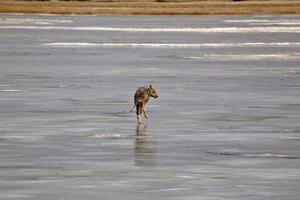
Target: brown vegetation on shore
150 8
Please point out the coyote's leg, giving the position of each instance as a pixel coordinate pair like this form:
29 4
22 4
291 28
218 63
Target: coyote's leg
139 119
144 111
139 110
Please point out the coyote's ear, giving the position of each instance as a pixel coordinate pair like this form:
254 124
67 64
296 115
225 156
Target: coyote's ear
150 86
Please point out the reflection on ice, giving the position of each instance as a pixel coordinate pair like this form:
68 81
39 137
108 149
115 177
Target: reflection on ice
144 148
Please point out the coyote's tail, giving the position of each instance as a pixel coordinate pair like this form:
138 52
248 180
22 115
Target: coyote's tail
132 109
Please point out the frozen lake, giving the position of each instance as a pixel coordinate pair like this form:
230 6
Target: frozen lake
225 125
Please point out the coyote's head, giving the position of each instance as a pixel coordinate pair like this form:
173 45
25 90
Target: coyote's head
152 91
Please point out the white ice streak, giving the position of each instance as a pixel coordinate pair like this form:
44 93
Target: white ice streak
264 22
277 23
170 45
268 155
14 21
167 190
107 135
246 20
184 30
247 57
11 90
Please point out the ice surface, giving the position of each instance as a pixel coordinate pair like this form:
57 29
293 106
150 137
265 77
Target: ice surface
225 125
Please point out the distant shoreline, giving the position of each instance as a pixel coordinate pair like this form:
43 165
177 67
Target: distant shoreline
151 8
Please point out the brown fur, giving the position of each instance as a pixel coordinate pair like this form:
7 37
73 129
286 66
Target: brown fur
141 97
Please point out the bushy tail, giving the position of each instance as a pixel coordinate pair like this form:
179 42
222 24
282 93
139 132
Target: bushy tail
132 109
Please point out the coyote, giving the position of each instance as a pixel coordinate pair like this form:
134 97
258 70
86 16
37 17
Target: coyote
141 97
